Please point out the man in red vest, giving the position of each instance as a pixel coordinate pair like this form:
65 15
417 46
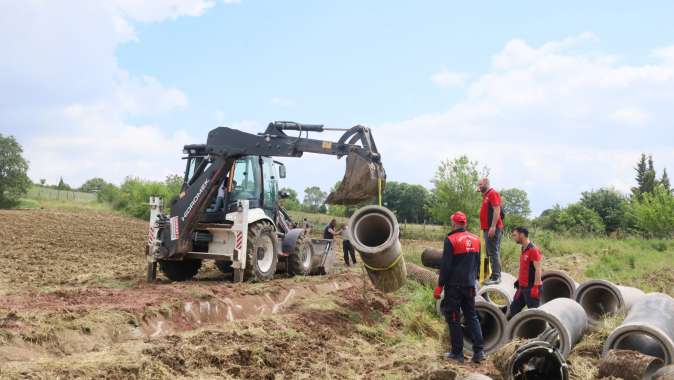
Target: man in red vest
491 224
529 281
459 273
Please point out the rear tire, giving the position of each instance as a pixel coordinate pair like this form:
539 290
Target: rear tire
262 252
179 270
299 261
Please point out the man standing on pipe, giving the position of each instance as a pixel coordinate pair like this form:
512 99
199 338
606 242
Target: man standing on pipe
491 224
529 281
459 272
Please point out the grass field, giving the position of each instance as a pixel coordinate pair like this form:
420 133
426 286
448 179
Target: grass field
46 198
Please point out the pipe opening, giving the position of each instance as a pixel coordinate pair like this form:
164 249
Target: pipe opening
373 230
492 331
497 298
538 329
642 342
539 363
555 287
599 301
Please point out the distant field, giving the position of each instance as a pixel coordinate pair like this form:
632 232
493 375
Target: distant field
37 192
46 198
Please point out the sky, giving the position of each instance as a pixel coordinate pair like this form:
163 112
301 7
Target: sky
555 99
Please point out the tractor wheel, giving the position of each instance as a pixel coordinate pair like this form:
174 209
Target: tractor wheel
179 270
224 266
299 261
262 252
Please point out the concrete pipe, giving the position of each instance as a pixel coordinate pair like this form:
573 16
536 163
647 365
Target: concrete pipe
562 314
493 324
374 233
431 258
601 297
557 284
500 294
536 360
422 275
648 328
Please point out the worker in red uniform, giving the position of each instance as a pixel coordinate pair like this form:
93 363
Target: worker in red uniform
528 282
459 273
491 224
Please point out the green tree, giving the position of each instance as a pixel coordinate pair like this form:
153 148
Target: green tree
516 206
515 202
578 219
313 198
93 184
14 181
654 213
409 202
609 204
643 176
290 203
549 219
455 185
664 180
62 185
42 181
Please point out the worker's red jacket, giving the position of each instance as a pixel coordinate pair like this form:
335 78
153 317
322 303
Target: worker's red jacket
460 264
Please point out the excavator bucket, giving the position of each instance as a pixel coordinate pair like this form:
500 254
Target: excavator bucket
361 182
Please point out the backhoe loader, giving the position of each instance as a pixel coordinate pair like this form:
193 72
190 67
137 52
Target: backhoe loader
228 208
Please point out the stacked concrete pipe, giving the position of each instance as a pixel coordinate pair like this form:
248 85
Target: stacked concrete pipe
431 258
557 284
374 233
493 324
601 297
564 315
648 328
505 289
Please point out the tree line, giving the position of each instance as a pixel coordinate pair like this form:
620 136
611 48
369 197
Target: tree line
647 211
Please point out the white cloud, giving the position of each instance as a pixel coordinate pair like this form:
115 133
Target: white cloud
631 116
66 96
445 78
160 10
282 101
548 119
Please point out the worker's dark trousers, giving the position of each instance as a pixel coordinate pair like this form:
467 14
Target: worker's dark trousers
494 251
523 298
348 250
458 300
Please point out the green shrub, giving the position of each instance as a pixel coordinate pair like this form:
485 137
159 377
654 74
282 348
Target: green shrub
654 213
133 195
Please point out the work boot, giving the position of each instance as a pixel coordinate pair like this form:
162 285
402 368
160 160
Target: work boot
478 357
455 357
493 281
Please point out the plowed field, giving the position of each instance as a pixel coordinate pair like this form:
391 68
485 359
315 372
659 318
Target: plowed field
73 304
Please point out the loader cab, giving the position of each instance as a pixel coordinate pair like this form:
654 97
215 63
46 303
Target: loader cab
256 178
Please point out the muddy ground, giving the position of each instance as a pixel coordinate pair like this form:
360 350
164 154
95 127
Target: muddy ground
73 304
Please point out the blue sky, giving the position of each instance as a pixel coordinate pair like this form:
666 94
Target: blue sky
554 99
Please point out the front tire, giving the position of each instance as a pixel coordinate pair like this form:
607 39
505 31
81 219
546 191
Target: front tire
179 270
262 252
